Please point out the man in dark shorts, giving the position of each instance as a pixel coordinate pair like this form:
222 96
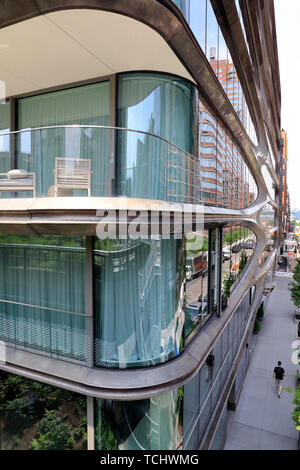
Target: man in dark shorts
278 375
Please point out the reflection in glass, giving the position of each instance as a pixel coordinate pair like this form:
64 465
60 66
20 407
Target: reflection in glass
162 105
238 245
196 312
139 295
153 424
214 269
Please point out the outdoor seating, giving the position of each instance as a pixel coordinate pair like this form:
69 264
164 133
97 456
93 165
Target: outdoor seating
18 180
72 173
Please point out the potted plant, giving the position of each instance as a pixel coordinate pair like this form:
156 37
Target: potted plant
256 327
295 290
260 313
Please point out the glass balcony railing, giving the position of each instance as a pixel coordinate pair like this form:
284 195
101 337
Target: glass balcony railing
67 161
100 161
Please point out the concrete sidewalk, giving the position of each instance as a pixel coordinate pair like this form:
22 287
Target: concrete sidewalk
262 421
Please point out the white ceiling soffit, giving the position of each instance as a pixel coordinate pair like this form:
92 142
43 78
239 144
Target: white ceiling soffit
73 45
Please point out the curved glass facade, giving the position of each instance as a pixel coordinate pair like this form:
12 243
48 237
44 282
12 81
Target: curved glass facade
165 106
151 424
139 295
168 145
176 419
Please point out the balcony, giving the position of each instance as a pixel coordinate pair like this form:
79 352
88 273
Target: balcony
81 161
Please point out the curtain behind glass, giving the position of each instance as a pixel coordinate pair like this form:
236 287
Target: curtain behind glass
161 105
136 312
86 105
43 276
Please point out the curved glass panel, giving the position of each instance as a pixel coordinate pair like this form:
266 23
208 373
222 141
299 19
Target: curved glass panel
169 146
153 424
72 161
139 294
160 104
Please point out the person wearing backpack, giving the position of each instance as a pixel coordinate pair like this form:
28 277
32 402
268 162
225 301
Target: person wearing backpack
278 375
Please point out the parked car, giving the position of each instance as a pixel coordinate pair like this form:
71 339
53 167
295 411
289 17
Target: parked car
226 255
189 273
236 248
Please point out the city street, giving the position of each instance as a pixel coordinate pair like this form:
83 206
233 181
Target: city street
262 421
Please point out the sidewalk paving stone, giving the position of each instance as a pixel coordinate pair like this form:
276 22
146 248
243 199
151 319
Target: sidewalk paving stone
262 421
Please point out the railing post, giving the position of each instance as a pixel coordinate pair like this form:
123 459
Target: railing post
112 138
89 302
90 423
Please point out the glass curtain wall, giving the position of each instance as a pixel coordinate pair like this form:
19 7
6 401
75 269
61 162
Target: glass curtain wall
85 105
42 294
165 106
139 295
151 424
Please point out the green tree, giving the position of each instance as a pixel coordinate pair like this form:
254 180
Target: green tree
52 434
243 262
296 412
18 414
228 282
295 286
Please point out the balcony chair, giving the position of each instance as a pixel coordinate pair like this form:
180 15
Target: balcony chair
72 173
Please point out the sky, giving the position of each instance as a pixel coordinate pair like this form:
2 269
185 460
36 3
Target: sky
288 40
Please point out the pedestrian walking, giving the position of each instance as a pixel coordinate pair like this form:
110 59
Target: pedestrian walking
299 330
278 376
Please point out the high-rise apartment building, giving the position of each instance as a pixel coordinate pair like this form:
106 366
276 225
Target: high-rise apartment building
117 117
